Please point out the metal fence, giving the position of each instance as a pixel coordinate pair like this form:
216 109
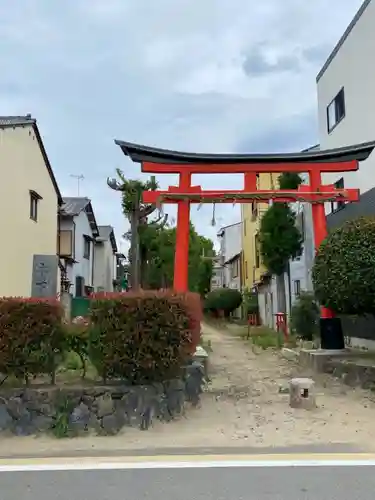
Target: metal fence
80 306
362 327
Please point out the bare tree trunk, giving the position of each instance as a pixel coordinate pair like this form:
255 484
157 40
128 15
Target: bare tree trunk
134 251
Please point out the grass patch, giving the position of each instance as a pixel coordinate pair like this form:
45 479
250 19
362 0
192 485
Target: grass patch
264 337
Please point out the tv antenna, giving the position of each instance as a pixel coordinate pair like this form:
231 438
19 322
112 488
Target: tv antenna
78 178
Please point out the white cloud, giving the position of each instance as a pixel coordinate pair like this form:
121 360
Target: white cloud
206 76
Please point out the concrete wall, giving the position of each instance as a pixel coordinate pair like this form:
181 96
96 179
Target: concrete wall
268 301
23 168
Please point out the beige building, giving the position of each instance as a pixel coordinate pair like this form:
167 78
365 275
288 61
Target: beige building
29 200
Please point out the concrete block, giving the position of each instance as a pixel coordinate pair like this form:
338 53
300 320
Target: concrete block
317 359
290 354
302 393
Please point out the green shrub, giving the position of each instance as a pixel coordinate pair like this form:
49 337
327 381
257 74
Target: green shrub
344 268
225 300
77 337
304 318
250 302
32 339
142 337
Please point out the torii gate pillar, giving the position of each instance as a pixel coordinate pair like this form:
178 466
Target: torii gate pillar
181 258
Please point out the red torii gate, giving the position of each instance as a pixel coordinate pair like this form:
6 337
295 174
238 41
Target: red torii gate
162 161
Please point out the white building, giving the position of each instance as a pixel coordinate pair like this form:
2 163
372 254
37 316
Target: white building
105 261
78 231
230 255
346 103
217 279
346 97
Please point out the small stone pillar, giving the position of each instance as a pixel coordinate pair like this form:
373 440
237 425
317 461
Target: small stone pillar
302 393
201 356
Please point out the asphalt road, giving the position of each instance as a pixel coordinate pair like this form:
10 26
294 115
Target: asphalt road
232 483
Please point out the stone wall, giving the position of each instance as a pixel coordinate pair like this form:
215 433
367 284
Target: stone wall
357 373
71 411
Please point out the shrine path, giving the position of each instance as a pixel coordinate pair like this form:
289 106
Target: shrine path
241 408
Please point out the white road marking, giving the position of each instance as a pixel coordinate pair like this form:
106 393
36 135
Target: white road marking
87 464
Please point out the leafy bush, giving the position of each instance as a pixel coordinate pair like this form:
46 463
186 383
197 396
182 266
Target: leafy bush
304 316
250 302
32 339
344 268
142 337
226 300
77 336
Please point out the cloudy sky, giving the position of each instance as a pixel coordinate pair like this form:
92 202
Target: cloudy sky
210 76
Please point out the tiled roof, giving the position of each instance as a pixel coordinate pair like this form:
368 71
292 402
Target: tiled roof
107 233
364 207
12 121
74 205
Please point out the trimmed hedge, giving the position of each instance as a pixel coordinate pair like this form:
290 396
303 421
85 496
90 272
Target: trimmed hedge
32 340
143 336
344 268
225 300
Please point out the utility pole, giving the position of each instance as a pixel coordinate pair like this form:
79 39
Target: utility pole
78 178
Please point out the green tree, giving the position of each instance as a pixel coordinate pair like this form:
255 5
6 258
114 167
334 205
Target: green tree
161 244
279 238
137 213
344 268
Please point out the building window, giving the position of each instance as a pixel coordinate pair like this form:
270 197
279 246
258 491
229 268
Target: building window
337 205
86 247
297 288
34 205
336 110
235 268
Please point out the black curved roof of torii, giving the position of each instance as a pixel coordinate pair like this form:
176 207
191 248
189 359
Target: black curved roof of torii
139 154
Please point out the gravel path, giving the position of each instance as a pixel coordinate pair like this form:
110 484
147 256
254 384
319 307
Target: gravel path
242 407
